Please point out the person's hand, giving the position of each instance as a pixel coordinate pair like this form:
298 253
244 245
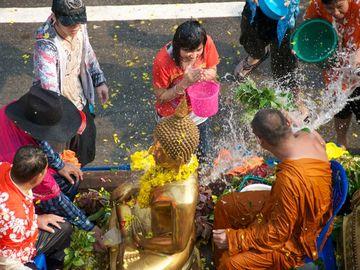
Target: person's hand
220 239
204 74
99 242
49 219
103 93
208 74
192 75
70 169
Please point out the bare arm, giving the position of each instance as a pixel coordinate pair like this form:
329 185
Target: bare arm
209 74
165 95
190 76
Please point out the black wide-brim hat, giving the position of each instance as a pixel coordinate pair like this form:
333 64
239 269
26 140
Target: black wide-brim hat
45 115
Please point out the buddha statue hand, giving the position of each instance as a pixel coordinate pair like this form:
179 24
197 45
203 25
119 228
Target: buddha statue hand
131 254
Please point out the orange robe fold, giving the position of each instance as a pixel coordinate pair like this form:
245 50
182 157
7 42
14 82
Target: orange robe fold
276 229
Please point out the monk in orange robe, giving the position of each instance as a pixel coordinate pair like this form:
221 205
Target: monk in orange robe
277 229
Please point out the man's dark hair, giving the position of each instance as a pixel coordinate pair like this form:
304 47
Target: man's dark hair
29 161
271 126
188 36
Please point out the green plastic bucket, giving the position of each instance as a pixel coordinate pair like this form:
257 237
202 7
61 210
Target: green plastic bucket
314 41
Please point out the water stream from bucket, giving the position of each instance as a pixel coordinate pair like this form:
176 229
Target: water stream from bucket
237 138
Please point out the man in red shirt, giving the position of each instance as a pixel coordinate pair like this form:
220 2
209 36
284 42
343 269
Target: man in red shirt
18 222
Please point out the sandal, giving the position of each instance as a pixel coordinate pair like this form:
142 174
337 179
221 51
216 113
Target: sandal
244 68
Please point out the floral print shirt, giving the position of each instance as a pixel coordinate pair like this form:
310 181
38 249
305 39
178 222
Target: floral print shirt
18 221
50 62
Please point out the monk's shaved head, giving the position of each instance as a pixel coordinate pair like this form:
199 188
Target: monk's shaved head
271 125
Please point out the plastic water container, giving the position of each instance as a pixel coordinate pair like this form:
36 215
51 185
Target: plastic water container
40 262
314 41
204 98
273 9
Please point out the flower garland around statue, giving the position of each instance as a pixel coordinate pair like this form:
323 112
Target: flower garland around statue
156 176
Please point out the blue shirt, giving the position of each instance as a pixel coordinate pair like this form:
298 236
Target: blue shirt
53 157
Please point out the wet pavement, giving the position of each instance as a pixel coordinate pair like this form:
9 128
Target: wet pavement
125 50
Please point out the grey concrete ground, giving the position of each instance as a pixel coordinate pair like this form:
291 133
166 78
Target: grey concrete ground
43 3
125 51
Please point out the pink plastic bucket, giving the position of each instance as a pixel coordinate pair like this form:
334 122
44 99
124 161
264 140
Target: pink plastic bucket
204 98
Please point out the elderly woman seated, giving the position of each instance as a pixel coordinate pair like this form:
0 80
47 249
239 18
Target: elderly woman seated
155 215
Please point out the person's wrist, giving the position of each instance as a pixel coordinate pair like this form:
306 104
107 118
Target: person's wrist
185 82
61 166
179 90
92 228
100 84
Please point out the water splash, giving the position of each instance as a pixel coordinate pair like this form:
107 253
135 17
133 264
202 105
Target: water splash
323 105
232 148
235 142
322 102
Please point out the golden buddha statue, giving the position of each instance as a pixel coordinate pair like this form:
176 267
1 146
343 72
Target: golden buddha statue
155 215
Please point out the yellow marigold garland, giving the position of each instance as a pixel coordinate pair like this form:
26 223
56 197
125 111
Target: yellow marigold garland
157 176
141 161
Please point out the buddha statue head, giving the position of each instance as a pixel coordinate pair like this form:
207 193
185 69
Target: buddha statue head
176 139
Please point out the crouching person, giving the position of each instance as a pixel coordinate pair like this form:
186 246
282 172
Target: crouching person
22 231
37 118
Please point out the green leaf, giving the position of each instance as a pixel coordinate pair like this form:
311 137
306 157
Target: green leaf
67 258
262 103
273 104
79 262
89 248
253 98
